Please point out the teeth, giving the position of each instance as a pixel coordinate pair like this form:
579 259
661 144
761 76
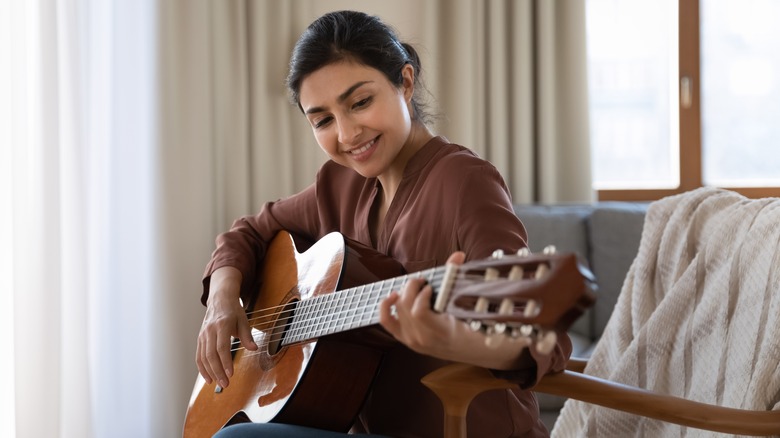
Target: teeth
363 149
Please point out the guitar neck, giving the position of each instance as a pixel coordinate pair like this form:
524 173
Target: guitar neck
348 309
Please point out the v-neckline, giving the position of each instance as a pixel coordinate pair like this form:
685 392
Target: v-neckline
378 220
379 233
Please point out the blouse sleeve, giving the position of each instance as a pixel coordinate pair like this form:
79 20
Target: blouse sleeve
485 218
486 222
245 244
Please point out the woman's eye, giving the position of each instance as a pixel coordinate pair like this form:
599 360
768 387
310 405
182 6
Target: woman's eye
322 122
361 103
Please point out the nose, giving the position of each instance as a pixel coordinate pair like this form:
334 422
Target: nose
349 131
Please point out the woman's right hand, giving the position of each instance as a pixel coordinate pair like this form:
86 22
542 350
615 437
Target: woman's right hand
225 318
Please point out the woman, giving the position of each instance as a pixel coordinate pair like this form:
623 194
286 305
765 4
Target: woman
393 185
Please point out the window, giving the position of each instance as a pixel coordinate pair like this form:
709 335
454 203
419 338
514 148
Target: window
684 94
740 59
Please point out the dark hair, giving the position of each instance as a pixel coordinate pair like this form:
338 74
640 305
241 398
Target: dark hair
349 35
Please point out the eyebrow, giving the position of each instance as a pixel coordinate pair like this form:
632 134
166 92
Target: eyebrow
342 97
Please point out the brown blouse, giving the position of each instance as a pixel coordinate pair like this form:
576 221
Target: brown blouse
448 200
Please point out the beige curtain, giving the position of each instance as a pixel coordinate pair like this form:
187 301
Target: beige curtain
105 156
263 148
512 82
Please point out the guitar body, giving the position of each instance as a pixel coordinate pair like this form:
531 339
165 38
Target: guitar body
318 383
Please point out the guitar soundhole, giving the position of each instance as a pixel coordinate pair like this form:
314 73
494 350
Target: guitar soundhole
283 323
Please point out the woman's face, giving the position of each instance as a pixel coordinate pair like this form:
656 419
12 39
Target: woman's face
359 118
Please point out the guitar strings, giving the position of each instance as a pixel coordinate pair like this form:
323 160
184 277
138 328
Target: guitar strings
274 311
309 307
435 281
339 316
334 319
436 275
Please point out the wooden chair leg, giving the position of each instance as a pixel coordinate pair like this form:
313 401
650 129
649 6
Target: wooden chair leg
456 385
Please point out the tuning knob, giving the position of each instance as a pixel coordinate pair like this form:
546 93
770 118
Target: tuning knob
546 342
481 305
525 331
498 254
491 274
524 252
541 271
549 250
516 273
531 309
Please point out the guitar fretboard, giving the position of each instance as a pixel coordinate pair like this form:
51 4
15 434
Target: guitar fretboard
348 309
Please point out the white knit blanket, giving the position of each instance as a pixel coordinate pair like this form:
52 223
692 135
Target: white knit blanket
698 316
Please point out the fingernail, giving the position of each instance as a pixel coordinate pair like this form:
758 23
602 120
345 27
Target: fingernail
229 373
223 383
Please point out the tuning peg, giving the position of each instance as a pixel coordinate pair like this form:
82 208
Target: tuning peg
516 273
498 254
475 325
531 309
491 274
541 271
549 250
524 252
546 342
507 307
525 330
482 305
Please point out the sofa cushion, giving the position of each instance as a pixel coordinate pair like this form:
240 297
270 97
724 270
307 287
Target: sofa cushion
606 237
615 229
565 227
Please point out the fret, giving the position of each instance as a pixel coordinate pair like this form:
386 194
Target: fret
319 316
337 313
350 306
292 330
332 300
341 311
358 308
303 319
365 304
377 296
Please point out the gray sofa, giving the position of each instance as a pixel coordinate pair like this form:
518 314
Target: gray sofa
605 236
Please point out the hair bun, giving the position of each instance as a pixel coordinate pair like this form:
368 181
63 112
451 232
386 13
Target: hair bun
414 58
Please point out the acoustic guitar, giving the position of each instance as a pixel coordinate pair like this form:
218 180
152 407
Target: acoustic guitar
309 370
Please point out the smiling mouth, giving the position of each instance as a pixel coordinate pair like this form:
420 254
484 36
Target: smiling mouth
364 148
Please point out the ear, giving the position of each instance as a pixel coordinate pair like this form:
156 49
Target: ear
407 73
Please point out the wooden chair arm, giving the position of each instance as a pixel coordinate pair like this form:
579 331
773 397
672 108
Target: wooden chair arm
576 364
659 406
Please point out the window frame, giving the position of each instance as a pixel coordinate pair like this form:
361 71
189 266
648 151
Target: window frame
690 151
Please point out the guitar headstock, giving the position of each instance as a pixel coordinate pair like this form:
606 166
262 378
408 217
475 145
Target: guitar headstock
526 297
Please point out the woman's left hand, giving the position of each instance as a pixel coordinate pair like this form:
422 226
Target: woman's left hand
407 315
